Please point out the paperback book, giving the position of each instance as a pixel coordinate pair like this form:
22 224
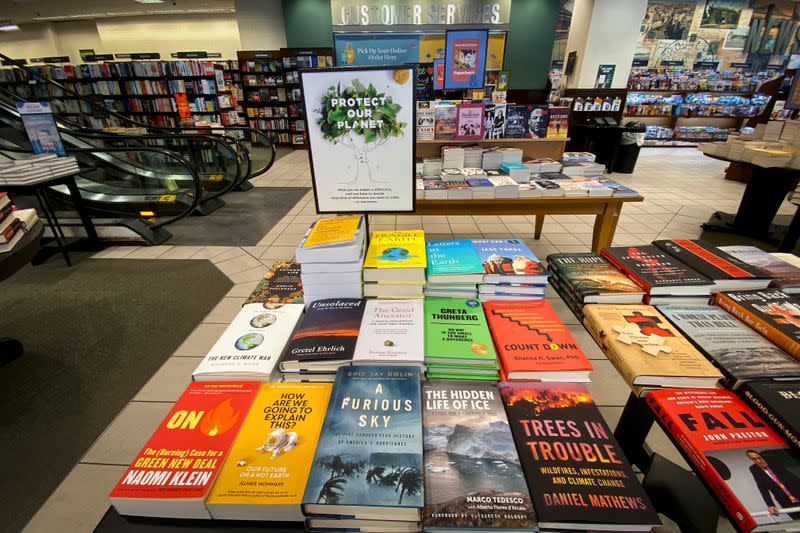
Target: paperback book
469 121
445 125
392 333
495 121
280 285
426 119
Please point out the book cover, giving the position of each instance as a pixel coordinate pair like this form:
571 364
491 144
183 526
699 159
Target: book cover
516 125
785 275
741 353
333 230
369 452
184 455
709 260
533 343
748 466
268 464
558 122
396 249
777 401
473 477
772 313
577 474
456 331
536 120
589 275
469 121
251 345
507 257
392 332
448 257
651 268
426 119
445 125
280 285
495 121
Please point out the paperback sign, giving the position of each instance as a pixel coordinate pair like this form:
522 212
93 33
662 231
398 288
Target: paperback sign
361 138
41 128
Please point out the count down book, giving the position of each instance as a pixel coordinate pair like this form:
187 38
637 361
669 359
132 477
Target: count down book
777 401
657 272
577 474
171 476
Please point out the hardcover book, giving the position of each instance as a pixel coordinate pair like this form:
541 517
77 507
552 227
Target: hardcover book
165 479
392 333
533 343
473 477
265 473
785 276
558 122
772 313
592 279
646 349
516 126
777 401
280 285
577 474
426 119
738 351
456 332
657 272
396 256
368 462
509 260
747 465
469 121
495 121
445 126
536 119
453 261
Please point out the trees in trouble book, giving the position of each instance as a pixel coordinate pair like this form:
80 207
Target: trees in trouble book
171 476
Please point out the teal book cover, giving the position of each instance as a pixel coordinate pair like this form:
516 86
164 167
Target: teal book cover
456 256
370 449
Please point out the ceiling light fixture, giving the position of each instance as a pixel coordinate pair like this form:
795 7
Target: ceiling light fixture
7 25
149 1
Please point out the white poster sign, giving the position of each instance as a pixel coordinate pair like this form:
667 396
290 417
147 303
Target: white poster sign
361 138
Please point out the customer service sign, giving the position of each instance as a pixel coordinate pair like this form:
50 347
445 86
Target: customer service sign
361 138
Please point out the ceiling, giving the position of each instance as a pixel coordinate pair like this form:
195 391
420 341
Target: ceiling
27 11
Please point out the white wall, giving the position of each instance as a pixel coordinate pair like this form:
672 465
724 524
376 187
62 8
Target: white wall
576 40
260 24
33 40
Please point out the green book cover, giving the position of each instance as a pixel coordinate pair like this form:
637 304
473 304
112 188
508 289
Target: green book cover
456 332
457 367
456 375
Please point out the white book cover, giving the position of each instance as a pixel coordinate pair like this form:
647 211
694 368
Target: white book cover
392 331
250 347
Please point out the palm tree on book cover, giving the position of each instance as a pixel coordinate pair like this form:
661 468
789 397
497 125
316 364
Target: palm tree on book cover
340 469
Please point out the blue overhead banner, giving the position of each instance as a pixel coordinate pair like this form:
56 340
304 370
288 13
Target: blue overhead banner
465 58
370 50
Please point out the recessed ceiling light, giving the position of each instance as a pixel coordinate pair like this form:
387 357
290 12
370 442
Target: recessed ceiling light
149 1
7 25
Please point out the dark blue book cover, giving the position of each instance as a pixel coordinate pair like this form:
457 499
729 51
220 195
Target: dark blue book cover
329 330
516 122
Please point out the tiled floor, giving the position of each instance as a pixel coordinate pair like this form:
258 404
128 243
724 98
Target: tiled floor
681 186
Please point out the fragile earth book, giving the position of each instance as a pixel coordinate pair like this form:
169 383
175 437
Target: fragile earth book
280 285
657 272
392 332
396 256
473 477
779 404
456 332
592 279
577 474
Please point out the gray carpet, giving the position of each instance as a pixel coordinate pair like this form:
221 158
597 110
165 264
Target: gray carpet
94 334
243 221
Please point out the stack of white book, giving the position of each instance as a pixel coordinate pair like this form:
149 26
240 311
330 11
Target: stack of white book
473 172
435 189
492 159
331 256
583 168
452 174
791 132
482 188
13 224
452 157
577 157
431 167
473 156
773 130
504 186
549 187
511 155
593 187
36 168
530 190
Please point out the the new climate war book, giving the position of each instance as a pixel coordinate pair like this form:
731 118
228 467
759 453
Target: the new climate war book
657 272
473 477
779 404
576 472
280 285
592 279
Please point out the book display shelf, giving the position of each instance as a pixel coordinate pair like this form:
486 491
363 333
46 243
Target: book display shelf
295 59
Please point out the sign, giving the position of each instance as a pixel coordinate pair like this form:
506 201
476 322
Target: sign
13 62
419 13
99 57
672 63
605 76
438 74
41 128
195 55
465 58
85 53
56 59
145 55
741 65
365 50
705 65
183 105
639 63
361 138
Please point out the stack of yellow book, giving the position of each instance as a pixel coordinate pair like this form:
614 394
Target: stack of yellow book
395 263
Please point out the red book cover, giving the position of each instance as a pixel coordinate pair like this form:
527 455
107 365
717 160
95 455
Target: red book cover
172 474
533 343
745 463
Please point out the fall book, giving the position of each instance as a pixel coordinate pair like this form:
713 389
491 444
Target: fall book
265 473
739 352
726 271
392 333
250 347
456 333
646 349
785 276
395 256
657 272
533 343
772 313
453 261
280 285
172 475
590 278
576 472
473 477
509 261
777 401
746 464
368 462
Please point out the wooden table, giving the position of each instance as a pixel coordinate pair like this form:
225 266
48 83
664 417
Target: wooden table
605 208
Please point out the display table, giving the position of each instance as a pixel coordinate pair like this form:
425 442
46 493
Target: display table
605 208
531 148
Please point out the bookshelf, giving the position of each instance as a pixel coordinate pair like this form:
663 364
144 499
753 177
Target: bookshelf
295 59
264 94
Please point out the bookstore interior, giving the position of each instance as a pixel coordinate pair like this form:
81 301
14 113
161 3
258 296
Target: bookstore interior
552 284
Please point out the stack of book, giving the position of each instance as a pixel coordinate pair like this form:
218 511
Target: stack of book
492 159
785 276
454 269
473 172
516 171
37 168
617 188
570 158
453 157
583 168
504 187
431 167
482 188
511 270
14 224
548 187
511 155
392 332
395 265
331 255
452 174
458 190
473 156
543 165
435 189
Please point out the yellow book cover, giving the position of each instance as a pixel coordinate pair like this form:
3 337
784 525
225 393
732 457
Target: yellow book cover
264 475
396 249
333 230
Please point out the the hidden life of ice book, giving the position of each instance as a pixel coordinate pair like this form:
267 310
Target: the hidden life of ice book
368 462
392 332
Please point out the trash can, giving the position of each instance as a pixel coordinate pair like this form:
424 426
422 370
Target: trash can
630 144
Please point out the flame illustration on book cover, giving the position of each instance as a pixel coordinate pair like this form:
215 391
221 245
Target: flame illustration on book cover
219 419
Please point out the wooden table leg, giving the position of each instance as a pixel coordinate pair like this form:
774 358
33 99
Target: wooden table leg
605 224
539 224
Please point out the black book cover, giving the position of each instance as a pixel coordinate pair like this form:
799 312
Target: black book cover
709 260
779 402
516 126
650 267
577 474
329 331
536 120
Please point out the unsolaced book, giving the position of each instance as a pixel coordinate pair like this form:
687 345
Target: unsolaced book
392 333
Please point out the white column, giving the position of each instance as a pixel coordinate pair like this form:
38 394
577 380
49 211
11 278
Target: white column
260 24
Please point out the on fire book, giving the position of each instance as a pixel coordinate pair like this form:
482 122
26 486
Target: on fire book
577 474
172 475
280 285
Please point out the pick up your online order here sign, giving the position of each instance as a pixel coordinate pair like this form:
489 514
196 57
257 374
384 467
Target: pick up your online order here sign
378 13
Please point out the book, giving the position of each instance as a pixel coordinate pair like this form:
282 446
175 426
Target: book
391 333
280 285
646 349
445 122
473 477
326 337
516 125
456 332
453 261
265 473
576 471
394 290
743 461
250 347
347 251
777 403
172 475
509 260
772 313
533 343
494 122
592 279
333 230
536 118
726 271
396 256
469 121
739 352
558 122
426 118
785 276
657 272
375 473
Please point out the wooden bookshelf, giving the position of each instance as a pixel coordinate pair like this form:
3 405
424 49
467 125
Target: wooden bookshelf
531 148
295 59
